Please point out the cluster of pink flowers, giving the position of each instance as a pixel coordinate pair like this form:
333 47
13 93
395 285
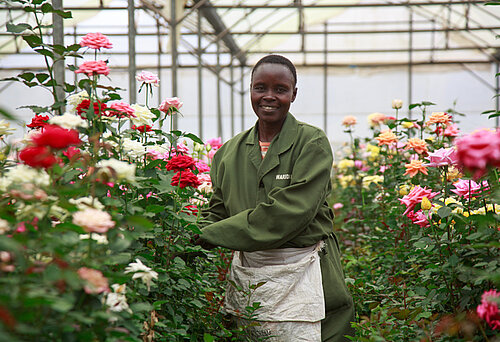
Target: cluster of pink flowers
96 41
478 151
488 309
92 68
171 103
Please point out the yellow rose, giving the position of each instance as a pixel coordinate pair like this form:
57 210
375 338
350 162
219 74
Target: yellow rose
407 124
345 163
425 204
404 190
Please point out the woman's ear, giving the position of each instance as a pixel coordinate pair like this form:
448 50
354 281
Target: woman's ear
294 94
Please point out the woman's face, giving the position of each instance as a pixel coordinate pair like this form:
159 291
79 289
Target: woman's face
272 91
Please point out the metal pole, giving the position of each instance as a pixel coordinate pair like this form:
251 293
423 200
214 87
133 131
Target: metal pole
219 109
158 60
58 38
325 83
410 59
173 40
131 52
232 97
242 94
200 81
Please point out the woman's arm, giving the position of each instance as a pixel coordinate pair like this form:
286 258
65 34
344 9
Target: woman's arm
289 210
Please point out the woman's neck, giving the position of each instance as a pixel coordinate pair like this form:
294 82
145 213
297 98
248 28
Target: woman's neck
267 132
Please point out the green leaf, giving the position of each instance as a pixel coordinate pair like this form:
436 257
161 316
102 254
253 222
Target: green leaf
444 212
139 222
453 260
208 338
47 8
33 40
155 208
427 103
63 14
194 138
42 77
27 76
45 52
73 47
18 28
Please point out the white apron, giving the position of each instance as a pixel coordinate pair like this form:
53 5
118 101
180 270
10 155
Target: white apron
292 299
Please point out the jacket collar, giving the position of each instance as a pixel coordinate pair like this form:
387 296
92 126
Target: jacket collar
281 143
285 137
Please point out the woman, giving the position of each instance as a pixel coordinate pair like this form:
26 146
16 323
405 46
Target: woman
269 203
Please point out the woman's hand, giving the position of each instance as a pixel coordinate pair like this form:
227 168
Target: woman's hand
198 241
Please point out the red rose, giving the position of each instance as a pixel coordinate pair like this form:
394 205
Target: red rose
83 107
71 151
57 137
180 162
143 128
187 178
38 121
37 156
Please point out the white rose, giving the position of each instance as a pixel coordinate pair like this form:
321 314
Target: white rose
5 128
123 170
397 103
4 226
133 148
69 121
143 115
87 202
75 99
24 174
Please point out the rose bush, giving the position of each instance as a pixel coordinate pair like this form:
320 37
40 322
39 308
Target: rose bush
95 230
422 243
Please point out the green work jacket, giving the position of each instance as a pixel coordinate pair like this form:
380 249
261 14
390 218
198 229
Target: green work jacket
278 201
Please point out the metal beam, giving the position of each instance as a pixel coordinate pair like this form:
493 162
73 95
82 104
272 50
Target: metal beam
209 12
357 5
131 52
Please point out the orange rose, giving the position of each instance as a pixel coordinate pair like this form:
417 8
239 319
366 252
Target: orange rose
349 120
439 117
418 145
386 138
415 167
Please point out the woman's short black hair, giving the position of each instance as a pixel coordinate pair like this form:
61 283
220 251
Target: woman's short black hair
277 59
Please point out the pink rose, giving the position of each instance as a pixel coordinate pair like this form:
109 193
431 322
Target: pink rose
465 188
204 178
202 167
415 196
93 220
91 68
121 110
96 41
215 143
170 102
148 78
418 218
338 206
442 157
95 281
451 131
478 151
488 309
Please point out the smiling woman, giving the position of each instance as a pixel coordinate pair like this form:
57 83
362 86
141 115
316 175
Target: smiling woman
269 203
